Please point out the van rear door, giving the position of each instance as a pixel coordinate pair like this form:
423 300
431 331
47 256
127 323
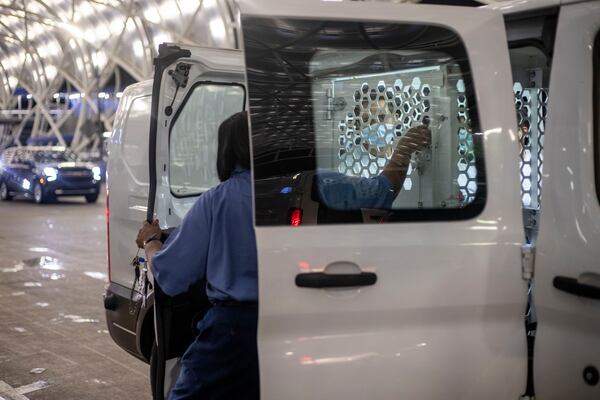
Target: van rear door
195 89
567 270
422 299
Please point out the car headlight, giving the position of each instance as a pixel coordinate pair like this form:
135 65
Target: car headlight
50 173
97 173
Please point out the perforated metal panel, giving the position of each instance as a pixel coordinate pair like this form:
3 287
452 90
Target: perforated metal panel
378 110
467 171
380 115
531 107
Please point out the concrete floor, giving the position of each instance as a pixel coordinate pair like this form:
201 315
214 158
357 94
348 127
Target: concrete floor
52 277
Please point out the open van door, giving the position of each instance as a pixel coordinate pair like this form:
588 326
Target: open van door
194 90
567 267
424 299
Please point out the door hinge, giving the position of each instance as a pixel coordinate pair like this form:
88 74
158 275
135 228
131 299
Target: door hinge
527 260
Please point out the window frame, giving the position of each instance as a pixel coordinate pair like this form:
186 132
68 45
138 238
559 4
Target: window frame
180 109
469 211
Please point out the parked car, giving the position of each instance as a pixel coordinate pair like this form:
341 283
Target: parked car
466 249
45 173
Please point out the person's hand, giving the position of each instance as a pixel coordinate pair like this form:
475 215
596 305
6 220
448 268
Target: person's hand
147 231
415 139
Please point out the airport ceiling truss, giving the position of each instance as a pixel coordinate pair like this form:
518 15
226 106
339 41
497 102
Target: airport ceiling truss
59 56
60 52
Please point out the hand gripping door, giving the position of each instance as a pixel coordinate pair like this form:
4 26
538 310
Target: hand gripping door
567 271
427 303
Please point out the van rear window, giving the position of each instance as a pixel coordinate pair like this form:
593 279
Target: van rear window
193 136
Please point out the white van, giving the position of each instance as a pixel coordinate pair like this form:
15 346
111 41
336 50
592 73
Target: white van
433 298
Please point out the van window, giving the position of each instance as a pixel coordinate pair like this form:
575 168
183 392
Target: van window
193 137
333 99
135 138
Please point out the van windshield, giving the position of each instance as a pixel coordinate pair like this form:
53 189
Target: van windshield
49 156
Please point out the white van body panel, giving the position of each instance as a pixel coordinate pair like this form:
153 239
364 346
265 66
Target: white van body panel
128 178
568 333
445 318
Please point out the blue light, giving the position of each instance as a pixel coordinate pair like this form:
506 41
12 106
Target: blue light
286 190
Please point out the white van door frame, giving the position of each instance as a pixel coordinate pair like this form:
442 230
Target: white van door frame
567 267
444 318
166 56
179 72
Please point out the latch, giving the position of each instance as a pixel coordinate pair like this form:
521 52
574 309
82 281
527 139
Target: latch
180 75
527 260
330 109
333 103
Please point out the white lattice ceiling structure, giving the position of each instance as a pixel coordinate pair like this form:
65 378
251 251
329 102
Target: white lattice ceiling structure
47 44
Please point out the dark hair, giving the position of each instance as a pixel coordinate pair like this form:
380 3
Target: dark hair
233 148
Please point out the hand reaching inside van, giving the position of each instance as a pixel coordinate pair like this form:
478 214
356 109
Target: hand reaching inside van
215 243
415 139
341 192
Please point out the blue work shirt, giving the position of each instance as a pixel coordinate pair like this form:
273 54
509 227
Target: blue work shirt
215 241
342 192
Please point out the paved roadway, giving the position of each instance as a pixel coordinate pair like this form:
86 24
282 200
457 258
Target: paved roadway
52 277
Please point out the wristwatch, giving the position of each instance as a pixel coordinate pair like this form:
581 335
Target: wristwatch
150 239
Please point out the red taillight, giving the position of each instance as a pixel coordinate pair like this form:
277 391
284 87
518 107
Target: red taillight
108 234
296 217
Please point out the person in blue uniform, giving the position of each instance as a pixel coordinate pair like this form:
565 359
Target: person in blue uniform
342 192
215 242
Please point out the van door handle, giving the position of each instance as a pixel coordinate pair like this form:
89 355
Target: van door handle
323 280
588 285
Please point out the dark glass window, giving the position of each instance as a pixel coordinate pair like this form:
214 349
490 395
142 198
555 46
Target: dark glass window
330 101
